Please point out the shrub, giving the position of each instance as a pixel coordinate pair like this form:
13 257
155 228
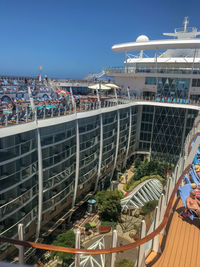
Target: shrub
124 263
130 186
112 224
87 226
149 206
64 240
109 204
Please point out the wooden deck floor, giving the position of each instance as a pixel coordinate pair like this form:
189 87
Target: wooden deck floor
182 243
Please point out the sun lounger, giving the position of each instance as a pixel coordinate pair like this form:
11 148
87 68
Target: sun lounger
193 177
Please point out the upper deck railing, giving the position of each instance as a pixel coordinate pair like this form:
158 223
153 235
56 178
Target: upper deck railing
134 70
25 114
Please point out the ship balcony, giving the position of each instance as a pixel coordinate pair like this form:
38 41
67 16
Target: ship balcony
9 181
57 179
11 231
195 91
14 205
148 71
56 199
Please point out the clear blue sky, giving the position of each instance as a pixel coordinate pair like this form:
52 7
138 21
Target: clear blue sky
74 38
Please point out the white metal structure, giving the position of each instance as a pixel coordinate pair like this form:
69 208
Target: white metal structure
93 260
146 191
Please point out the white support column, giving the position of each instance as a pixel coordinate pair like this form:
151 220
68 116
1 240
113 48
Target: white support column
156 54
156 243
40 184
100 151
129 136
73 102
169 190
128 91
31 98
98 98
162 210
77 163
114 244
117 143
21 248
193 60
77 245
162 207
116 98
141 250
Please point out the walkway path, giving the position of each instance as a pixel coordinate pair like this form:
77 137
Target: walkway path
123 182
182 244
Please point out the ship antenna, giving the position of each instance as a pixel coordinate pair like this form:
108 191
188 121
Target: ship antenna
185 23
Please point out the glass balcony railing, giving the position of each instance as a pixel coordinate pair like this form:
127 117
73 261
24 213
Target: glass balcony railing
12 231
134 70
15 204
11 180
50 203
57 179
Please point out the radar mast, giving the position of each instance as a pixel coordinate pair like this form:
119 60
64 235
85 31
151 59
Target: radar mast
185 32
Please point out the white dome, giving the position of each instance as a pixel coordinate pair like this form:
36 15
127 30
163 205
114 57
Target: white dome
142 38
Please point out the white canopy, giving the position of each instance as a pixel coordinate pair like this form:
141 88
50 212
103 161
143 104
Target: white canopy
112 85
158 44
99 86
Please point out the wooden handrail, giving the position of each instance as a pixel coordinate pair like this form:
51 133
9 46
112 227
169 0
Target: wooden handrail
108 250
192 139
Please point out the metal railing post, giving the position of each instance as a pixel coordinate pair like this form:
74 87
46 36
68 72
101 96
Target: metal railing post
6 120
21 248
169 190
77 245
17 119
114 244
26 114
141 250
156 243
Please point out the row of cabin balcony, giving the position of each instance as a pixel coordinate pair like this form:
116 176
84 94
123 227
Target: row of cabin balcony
154 70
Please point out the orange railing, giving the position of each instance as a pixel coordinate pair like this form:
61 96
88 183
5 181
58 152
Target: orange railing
109 250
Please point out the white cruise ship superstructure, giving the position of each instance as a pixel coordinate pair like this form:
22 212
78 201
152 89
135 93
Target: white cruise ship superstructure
55 158
172 73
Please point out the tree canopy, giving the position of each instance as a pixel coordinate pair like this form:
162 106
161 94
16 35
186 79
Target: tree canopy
109 204
65 240
152 167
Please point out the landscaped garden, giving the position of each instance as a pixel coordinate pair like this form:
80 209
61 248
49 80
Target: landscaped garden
110 216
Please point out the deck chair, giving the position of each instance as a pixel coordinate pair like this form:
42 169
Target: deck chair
184 192
195 180
186 179
195 173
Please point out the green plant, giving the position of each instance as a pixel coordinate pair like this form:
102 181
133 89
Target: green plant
137 162
130 186
150 168
112 224
64 240
120 179
124 263
87 226
108 203
149 206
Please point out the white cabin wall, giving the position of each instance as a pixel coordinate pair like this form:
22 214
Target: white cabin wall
136 84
